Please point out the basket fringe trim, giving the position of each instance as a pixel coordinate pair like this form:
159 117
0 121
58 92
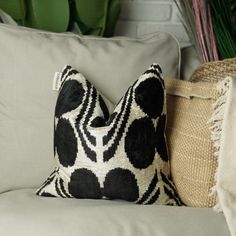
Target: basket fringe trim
216 123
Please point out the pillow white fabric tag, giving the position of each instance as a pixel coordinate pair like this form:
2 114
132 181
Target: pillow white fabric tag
56 81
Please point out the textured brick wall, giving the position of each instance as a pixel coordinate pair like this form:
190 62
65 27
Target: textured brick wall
140 17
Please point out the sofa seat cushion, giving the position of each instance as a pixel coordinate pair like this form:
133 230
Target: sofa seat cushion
22 213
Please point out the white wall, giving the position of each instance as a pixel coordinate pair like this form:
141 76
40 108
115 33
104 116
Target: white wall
139 17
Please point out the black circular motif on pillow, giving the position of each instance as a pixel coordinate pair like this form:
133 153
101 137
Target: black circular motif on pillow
54 139
149 95
140 143
69 98
45 194
121 184
65 143
157 67
160 138
84 184
100 121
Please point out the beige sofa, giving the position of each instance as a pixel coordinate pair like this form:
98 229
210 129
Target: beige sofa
25 131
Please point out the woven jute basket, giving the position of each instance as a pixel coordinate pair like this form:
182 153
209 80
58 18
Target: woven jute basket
215 71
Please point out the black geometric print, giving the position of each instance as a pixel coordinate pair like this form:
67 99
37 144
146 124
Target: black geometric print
160 138
46 194
109 153
140 143
171 192
70 97
47 182
104 108
154 197
58 189
62 188
89 114
151 187
65 143
112 119
117 119
171 195
80 127
84 184
92 93
149 95
121 184
98 122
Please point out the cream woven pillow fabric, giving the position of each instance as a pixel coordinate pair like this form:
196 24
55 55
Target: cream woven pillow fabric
193 165
122 155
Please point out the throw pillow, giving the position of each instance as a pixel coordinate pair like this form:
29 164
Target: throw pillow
28 61
191 149
122 156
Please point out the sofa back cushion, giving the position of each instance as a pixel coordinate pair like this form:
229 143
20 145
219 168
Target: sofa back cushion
28 61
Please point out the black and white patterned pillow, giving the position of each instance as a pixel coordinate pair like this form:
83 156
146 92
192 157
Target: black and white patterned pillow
117 156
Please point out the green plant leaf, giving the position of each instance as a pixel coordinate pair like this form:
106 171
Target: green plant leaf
223 12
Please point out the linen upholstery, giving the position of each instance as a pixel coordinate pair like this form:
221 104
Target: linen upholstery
28 60
22 213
